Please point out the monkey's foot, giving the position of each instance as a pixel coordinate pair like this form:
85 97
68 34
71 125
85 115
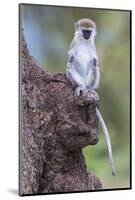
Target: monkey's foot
88 90
79 91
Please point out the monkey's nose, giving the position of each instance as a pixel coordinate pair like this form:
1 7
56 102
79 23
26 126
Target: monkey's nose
86 34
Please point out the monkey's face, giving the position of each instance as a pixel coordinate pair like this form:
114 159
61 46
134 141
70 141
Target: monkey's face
86 33
85 29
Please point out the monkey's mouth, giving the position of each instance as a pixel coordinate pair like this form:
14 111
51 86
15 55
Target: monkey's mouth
86 34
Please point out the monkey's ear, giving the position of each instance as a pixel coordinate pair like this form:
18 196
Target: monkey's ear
76 26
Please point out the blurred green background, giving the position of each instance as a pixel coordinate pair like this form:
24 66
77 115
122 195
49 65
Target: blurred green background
48 32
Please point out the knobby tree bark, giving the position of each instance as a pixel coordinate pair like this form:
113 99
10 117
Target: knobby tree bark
55 126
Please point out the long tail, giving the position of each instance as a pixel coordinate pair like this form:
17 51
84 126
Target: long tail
107 138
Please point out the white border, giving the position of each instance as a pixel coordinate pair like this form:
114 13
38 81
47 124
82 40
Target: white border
9 98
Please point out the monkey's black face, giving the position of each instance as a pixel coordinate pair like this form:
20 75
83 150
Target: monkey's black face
86 33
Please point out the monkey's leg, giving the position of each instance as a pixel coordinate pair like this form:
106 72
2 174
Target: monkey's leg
96 77
89 78
75 79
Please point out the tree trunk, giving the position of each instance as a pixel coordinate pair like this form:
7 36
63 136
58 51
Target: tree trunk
55 126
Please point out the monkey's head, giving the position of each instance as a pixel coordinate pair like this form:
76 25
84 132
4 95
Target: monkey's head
86 29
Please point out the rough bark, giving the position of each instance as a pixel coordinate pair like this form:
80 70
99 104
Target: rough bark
55 126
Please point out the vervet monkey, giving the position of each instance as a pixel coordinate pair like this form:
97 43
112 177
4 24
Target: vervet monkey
82 68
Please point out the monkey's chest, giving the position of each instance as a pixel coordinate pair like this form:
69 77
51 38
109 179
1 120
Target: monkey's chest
83 60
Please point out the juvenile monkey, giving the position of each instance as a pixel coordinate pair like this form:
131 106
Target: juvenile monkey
82 68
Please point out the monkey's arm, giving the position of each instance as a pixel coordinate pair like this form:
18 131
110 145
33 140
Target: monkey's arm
93 75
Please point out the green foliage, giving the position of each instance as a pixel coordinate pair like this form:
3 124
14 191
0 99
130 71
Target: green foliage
49 31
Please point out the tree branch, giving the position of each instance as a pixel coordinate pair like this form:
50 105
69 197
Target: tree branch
55 126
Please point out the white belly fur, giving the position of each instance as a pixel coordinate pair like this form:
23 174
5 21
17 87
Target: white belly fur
83 58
